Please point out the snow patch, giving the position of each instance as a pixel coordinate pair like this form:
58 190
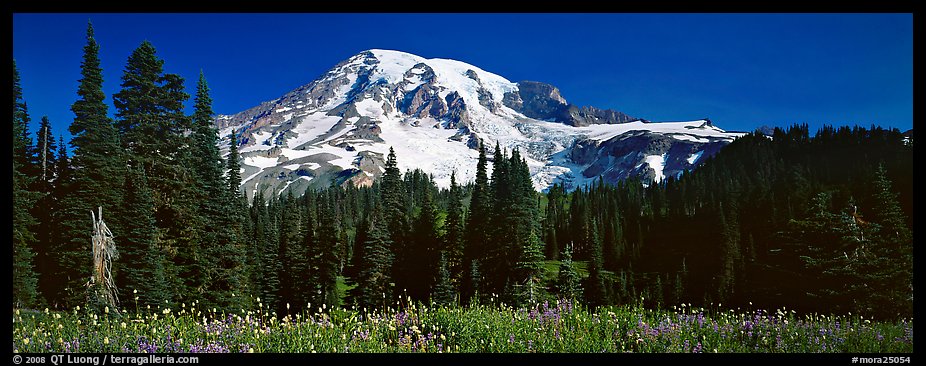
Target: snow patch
657 163
694 157
260 162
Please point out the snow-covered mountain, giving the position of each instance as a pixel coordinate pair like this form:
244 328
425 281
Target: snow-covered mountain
434 112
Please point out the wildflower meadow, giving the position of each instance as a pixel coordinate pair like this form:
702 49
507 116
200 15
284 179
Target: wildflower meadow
559 326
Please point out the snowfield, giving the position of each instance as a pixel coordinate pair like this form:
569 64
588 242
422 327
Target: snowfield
319 135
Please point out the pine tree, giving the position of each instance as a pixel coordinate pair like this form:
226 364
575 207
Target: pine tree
150 116
885 265
453 239
375 277
141 264
393 195
45 178
568 282
595 294
529 273
234 165
731 256
44 158
25 279
222 262
264 251
326 258
554 217
500 255
309 241
613 243
98 168
293 253
418 263
443 292
49 283
476 233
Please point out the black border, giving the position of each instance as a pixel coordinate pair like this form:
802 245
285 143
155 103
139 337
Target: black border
638 6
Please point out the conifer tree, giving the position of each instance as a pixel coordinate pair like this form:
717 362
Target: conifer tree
529 274
443 293
595 293
141 263
49 283
25 279
45 177
98 168
222 263
499 255
155 129
731 256
886 266
476 227
234 165
418 263
375 276
326 260
395 212
271 263
454 239
293 254
568 281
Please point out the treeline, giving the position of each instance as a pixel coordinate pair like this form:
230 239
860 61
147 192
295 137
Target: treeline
157 175
815 223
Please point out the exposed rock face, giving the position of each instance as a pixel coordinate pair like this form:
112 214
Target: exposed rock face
544 102
537 100
435 112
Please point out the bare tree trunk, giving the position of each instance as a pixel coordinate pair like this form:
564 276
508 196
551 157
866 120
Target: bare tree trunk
44 157
101 287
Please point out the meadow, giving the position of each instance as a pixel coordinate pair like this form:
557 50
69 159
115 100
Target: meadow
561 326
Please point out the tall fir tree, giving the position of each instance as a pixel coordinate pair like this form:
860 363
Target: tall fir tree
395 212
454 237
310 243
264 251
234 165
730 253
293 254
374 284
568 282
418 262
595 292
141 263
45 178
529 273
257 225
887 264
443 292
476 234
25 279
222 262
97 179
44 158
499 257
155 129
49 283
326 258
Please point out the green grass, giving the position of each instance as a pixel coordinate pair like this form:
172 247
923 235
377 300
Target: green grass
552 269
343 289
481 328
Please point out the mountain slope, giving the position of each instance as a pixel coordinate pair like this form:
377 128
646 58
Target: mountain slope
434 112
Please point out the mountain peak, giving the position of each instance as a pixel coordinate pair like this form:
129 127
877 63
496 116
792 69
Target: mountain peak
433 112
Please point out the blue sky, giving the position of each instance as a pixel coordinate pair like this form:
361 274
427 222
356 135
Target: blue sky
740 70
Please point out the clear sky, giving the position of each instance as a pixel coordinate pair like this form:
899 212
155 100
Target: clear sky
740 70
